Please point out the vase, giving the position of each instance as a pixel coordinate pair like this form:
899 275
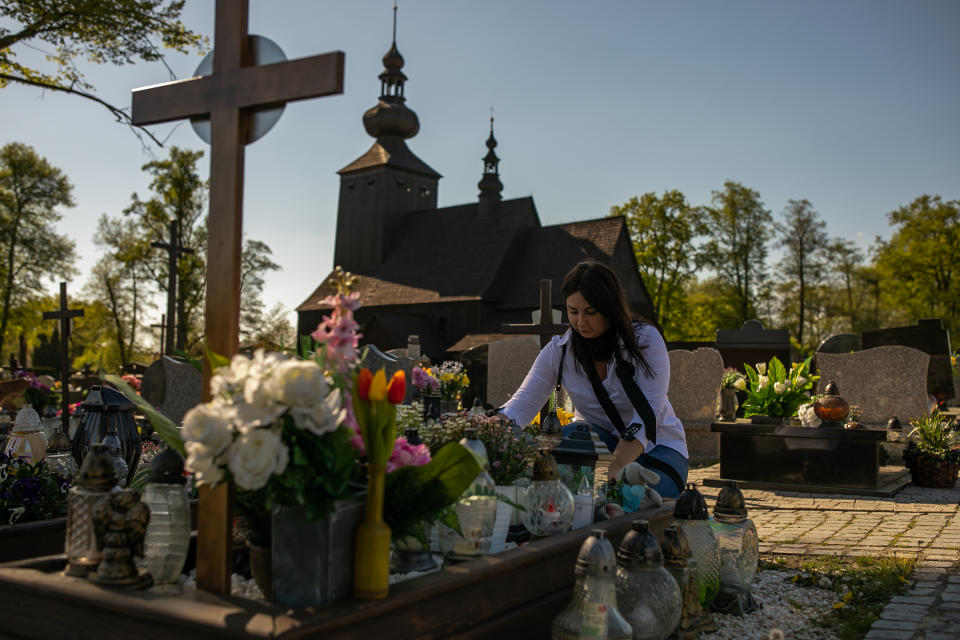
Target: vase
260 568
409 554
371 566
311 560
501 526
728 404
451 405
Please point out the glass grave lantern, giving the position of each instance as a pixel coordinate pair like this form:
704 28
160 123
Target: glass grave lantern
739 549
105 409
551 431
831 408
593 612
476 509
97 477
576 458
168 533
50 421
548 502
690 515
27 438
112 442
60 456
648 596
678 560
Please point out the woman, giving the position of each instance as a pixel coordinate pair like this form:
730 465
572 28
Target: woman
616 372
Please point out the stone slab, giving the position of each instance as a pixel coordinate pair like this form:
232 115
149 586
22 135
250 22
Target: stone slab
508 362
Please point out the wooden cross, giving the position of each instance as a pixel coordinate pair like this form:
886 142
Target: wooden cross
545 328
174 249
64 315
162 326
227 97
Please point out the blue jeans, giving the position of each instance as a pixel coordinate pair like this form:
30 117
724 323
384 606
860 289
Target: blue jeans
667 487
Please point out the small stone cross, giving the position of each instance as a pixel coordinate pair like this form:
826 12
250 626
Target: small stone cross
174 249
64 315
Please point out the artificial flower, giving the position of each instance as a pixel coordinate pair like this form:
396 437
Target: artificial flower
255 456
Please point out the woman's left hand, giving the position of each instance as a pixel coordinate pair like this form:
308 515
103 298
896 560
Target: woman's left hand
626 452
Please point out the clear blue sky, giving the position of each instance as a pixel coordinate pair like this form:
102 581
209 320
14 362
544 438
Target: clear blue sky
852 105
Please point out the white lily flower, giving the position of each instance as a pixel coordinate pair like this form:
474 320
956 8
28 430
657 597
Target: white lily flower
763 382
778 388
740 384
761 368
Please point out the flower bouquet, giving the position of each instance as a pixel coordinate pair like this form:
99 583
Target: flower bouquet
775 391
30 491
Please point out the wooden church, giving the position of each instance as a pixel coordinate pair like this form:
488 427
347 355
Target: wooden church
485 260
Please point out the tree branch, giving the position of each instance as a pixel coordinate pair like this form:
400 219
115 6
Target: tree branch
121 115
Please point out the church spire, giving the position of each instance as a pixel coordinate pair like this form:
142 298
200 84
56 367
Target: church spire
391 117
490 185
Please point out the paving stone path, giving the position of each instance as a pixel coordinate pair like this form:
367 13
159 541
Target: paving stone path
917 522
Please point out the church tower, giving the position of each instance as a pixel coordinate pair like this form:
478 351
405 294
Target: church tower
387 182
490 185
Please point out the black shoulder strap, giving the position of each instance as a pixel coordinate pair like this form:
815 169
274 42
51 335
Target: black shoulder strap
626 371
563 353
604 398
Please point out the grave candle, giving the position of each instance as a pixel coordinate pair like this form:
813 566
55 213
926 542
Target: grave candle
97 478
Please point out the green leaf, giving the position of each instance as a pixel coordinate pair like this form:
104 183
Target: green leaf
162 425
215 359
777 371
455 466
139 479
196 364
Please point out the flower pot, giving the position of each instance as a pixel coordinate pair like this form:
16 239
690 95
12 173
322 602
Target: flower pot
260 568
727 409
312 561
409 554
933 472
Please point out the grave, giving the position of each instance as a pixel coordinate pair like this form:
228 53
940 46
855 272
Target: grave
508 362
173 386
751 343
694 386
65 317
929 336
374 360
787 458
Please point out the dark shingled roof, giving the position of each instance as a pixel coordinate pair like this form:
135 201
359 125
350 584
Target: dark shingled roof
392 152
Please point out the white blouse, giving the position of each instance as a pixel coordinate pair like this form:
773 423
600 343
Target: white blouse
542 378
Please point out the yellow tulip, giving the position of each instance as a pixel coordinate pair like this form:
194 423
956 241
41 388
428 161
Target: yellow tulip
378 388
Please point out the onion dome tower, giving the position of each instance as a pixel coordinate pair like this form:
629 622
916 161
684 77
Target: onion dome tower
380 187
490 185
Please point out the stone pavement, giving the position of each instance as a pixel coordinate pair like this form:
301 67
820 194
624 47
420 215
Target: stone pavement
917 522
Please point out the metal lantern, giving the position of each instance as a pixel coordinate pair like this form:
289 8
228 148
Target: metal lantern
548 502
739 548
647 594
690 515
97 477
168 534
593 612
27 438
105 408
60 457
476 510
576 457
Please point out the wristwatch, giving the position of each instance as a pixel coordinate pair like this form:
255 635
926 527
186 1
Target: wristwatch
630 433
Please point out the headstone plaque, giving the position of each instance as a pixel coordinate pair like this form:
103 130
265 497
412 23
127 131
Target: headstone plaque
929 336
374 359
173 386
751 343
882 381
695 378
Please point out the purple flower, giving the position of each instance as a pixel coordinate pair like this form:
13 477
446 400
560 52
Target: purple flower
496 463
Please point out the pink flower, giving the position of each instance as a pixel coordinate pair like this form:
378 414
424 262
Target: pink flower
496 463
422 380
407 455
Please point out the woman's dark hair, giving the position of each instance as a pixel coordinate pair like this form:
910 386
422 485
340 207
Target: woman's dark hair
599 286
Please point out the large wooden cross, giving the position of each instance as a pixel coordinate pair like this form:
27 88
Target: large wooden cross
546 329
64 315
173 249
227 97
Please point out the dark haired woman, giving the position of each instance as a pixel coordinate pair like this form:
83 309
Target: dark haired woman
616 372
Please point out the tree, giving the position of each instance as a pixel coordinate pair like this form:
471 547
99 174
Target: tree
705 306
804 237
662 230
919 267
847 262
111 31
179 194
31 190
255 262
739 228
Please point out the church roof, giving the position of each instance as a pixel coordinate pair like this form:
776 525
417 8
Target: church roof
390 152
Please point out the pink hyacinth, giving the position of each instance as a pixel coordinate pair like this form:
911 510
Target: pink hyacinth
337 332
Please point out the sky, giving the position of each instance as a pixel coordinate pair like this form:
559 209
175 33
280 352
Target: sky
854 106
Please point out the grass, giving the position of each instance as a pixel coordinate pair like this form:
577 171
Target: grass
703 464
863 586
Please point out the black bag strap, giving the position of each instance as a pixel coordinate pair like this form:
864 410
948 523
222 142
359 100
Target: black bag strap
604 398
626 371
563 353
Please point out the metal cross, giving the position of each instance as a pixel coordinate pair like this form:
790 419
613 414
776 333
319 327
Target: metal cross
64 315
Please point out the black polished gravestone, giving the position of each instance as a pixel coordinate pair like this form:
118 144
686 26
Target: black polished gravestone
929 336
751 343
845 461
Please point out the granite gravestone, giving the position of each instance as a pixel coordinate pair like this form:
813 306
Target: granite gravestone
173 386
751 343
695 378
929 336
840 343
882 381
508 362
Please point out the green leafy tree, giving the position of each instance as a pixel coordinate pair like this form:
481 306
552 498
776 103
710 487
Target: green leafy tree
739 228
705 306
848 274
919 267
662 230
69 31
255 262
180 195
803 235
31 191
